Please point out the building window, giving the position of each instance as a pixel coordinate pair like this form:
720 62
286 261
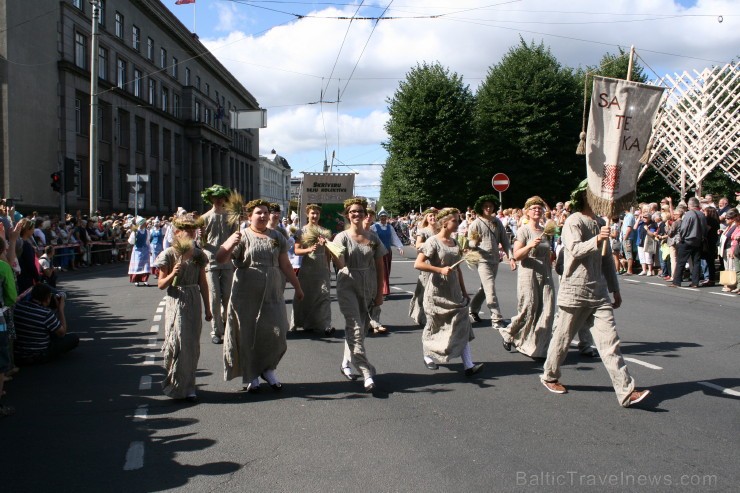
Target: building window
135 38
162 58
197 111
197 82
174 67
80 50
165 99
121 74
152 92
101 12
79 191
119 25
123 130
102 63
101 180
154 139
208 89
166 145
187 76
140 138
104 122
78 115
176 105
150 49
137 83
207 112
79 4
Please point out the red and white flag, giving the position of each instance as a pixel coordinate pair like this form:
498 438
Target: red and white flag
184 2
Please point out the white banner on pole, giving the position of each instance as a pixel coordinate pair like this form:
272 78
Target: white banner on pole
619 126
244 119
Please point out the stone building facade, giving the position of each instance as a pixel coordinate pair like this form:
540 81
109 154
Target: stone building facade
164 107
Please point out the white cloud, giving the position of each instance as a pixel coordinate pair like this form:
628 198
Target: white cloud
229 16
284 66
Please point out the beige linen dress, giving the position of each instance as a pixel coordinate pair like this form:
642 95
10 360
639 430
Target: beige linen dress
313 312
256 323
182 323
357 285
448 328
216 230
416 306
530 330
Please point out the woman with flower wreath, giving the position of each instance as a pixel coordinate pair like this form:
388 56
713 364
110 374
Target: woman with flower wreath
425 230
182 273
530 329
359 287
314 311
256 322
448 332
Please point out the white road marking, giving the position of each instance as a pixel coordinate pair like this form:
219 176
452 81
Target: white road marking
145 383
711 292
160 309
134 456
163 302
632 280
153 342
733 393
402 290
646 365
155 328
149 359
157 318
141 412
656 284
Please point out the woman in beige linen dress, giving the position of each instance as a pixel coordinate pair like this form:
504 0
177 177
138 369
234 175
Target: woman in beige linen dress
530 330
256 323
183 275
427 229
359 288
447 333
314 311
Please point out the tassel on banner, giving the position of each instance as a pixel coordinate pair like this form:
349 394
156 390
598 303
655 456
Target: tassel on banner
645 159
581 149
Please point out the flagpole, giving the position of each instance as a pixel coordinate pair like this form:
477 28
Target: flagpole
631 62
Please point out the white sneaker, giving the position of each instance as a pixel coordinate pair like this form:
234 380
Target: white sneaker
643 273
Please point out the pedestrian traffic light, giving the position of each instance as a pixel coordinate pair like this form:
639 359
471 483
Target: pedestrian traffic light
56 181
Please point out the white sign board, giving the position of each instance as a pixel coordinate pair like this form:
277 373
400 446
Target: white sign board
244 119
131 200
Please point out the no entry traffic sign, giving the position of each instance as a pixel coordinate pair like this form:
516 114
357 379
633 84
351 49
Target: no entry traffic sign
500 182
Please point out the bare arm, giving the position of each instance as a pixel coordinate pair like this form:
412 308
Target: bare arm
421 264
166 277
224 251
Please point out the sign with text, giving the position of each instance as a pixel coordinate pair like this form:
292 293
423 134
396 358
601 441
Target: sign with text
619 126
329 190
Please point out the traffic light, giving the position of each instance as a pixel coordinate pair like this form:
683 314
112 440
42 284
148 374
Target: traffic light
56 181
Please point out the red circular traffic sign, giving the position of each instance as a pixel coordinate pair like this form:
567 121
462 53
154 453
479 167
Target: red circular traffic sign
500 182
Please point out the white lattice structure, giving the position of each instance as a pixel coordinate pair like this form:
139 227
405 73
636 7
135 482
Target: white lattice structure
698 128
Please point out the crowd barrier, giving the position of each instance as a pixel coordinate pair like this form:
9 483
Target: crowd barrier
93 253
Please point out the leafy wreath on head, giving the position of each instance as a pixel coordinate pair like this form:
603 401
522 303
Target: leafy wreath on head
478 207
215 192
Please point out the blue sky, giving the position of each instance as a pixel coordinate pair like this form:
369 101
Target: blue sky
289 53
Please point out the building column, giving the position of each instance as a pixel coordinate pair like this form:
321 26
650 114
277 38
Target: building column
196 172
223 156
216 175
207 165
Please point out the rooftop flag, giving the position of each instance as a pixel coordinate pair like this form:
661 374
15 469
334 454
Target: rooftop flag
184 2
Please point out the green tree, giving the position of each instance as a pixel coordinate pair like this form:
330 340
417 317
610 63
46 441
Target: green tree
528 118
430 134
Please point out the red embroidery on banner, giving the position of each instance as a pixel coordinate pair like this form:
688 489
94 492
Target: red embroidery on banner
610 182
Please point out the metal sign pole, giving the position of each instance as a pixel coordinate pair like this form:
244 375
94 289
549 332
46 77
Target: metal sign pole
136 198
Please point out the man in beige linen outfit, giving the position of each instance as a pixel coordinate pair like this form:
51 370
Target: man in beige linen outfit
588 278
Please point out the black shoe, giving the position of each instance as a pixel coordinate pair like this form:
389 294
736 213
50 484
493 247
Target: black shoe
329 331
507 345
370 388
476 317
431 365
217 340
192 398
590 353
277 386
253 389
469 372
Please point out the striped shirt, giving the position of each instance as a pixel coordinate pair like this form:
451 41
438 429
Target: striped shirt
34 325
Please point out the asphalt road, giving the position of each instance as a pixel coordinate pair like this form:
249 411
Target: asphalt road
96 420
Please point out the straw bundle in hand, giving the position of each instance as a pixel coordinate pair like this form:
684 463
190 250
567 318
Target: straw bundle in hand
472 258
182 245
311 235
235 208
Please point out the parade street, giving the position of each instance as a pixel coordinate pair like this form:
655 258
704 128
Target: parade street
96 420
